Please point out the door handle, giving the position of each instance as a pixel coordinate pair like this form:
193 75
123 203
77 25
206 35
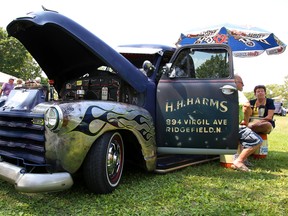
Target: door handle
228 89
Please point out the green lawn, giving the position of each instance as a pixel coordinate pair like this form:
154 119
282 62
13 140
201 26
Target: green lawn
206 189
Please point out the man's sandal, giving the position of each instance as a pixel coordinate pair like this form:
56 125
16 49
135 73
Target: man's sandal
242 168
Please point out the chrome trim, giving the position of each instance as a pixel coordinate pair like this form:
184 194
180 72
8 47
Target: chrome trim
34 182
228 89
57 126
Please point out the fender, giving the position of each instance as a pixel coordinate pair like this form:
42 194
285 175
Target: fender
83 122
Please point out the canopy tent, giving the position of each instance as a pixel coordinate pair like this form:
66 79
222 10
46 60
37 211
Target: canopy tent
5 77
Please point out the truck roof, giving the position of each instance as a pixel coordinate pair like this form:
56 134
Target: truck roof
144 48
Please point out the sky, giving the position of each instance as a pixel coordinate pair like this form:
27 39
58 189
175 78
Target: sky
161 22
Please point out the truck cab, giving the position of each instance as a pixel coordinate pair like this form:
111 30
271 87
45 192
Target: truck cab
134 103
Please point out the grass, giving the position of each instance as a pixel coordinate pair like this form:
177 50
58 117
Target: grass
206 189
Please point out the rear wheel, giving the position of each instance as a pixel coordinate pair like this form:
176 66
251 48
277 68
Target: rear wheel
103 165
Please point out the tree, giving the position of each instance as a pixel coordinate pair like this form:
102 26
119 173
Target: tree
249 95
285 92
274 90
285 86
15 59
216 67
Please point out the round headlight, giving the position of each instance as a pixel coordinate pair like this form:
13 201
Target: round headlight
53 118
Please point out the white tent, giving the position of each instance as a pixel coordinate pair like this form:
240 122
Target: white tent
279 98
5 77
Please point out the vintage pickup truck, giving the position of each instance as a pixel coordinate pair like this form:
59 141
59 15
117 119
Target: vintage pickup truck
145 104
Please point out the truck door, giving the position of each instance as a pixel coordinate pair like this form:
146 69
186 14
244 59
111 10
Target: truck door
197 102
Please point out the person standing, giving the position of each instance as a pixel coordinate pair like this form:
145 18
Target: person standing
248 139
262 111
19 84
38 81
7 87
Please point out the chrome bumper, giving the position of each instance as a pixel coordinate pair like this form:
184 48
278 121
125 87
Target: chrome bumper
33 182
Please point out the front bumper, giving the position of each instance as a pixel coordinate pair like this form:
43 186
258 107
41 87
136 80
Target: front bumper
34 182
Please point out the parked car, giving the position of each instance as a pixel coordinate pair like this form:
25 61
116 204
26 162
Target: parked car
279 109
151 105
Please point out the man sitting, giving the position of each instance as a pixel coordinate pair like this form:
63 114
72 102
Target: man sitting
249 140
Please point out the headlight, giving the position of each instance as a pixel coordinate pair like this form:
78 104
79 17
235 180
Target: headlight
53 118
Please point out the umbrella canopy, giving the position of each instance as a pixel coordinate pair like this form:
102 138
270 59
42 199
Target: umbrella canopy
244 42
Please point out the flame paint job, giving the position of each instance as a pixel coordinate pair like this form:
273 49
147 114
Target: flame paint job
85 121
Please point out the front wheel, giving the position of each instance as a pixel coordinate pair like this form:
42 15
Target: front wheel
103 165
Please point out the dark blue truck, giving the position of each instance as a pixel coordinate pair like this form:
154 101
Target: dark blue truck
156 106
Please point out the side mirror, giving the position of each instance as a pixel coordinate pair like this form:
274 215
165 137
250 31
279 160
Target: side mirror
148 67
167 70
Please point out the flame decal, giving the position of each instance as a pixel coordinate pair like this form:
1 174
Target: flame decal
129 119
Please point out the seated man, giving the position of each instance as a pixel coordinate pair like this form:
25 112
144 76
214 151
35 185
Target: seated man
262 111
248 139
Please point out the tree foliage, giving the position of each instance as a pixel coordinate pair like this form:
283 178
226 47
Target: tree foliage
216 67
15 59
285 90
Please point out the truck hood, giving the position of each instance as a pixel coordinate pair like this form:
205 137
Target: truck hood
65 50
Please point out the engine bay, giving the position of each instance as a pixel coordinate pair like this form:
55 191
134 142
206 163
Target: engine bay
104 86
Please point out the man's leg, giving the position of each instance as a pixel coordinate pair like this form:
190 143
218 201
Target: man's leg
245 153
261 127
250 141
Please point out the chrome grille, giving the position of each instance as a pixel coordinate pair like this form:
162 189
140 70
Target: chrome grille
21 138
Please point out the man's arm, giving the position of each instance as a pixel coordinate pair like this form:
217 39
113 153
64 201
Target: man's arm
2 88
247 112
270 115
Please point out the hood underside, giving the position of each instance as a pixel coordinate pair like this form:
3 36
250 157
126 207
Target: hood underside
65 50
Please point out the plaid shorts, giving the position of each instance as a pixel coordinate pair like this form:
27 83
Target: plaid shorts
248 138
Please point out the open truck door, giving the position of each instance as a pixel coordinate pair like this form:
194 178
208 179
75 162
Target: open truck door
197 102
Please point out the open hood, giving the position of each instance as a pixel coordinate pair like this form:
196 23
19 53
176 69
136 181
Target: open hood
65 50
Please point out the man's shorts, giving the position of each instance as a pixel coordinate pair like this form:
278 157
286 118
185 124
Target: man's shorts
248 138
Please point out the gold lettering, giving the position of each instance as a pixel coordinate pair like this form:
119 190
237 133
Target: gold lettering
169 107
206 101
176 105
214 103
220 122
189 101
223 107
217 130
207 130
180 104
195 122
197 101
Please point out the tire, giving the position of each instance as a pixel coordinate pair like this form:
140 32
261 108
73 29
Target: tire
103 164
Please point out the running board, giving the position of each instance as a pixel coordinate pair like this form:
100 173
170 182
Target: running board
170 163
